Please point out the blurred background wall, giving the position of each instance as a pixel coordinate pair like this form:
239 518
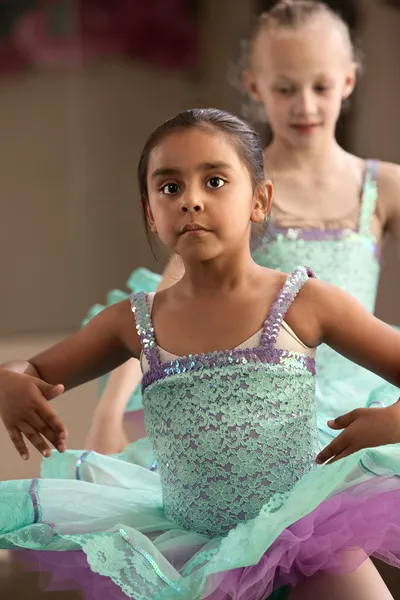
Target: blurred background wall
70 138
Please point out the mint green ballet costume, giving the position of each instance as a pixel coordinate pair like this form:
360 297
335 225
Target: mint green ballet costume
237 509
346 258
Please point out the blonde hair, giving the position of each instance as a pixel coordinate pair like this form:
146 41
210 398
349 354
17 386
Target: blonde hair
284 14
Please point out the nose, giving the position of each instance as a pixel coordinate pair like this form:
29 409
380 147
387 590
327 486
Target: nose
305 104
191 203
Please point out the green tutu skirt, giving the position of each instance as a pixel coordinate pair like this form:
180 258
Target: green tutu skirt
100 522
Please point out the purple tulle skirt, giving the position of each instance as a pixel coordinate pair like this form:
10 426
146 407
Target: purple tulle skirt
336 537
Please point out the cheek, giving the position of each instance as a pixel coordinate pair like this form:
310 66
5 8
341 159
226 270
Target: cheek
278 111
333 105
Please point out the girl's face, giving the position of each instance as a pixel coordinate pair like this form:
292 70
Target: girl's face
201 197
302 76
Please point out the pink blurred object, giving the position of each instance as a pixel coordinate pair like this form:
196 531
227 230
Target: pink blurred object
12 59
161 32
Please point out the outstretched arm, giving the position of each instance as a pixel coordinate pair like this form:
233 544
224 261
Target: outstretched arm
107 434
346 326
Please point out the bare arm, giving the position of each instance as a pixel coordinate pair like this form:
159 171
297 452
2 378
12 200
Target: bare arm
350 329
106 342
389 195
340 321
106 433
125 379
123 382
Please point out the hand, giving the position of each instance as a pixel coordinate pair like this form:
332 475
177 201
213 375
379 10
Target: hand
363 428
25 411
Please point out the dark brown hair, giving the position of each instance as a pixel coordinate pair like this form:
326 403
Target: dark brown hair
245 140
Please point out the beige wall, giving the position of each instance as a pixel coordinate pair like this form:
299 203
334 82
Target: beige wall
70 224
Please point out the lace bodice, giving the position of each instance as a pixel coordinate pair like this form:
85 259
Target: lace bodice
234 430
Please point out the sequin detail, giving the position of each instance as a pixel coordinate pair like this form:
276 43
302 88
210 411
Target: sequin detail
79 462
144 327
149 559
265 353
243 419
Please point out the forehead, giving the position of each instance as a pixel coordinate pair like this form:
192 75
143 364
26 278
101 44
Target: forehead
185 149
318 47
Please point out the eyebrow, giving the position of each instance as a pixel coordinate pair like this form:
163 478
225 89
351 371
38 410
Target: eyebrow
207 166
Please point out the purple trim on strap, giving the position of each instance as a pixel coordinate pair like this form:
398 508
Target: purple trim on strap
79 463
264 353
37 511
282 303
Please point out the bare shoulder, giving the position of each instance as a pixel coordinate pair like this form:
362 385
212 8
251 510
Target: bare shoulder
106 342
389 195
121 317
301 315
317 306
389 183
388 178
114 326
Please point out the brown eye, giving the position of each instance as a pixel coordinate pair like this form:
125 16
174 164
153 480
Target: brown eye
170 188
216 182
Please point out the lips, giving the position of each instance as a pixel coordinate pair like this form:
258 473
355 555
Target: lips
304 126
193 227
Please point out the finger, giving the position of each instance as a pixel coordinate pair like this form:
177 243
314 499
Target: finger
49 390
346 452
343 421
54 391
334 448
18 441
36 439
48 414
41 426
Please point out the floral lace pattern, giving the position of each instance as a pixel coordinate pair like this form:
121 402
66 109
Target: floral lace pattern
244 423
244 441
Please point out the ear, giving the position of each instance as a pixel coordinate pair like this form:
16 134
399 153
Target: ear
262 202
149 215
250 85
350 81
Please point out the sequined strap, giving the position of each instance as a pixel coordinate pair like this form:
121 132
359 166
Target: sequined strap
144 327
369 196
281 305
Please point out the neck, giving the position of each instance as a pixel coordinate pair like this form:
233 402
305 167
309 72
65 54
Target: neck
223 274
318 157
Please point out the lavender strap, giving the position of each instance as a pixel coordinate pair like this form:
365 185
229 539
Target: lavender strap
282 303
369 196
